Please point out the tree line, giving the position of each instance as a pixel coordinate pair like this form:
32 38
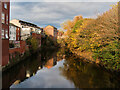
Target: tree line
95 39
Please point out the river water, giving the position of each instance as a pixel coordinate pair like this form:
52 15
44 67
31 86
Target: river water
55 69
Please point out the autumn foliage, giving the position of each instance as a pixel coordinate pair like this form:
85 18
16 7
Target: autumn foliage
95 39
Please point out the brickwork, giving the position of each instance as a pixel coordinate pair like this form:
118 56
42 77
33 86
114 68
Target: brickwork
5 27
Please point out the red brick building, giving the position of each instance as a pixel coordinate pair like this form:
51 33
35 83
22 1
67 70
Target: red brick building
4 30
23 47
51 31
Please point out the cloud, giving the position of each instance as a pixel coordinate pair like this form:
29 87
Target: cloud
45 13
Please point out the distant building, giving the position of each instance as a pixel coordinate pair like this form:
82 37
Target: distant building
4 30
14 32
26 28
51 31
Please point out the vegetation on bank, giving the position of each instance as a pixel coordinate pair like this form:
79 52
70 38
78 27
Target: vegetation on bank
33 44
33 47
47 42
95 39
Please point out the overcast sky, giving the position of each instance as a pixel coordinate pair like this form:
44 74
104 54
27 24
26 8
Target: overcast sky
55 13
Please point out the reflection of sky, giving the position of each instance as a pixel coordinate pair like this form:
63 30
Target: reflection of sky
46 78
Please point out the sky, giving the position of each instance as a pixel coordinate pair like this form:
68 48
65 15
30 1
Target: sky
54 13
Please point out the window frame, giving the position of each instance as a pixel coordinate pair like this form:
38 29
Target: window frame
3 34
3 17
6 32
10 33
5 6
7 19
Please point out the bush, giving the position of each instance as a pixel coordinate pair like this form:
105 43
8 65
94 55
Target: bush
33 44
97 36
109 55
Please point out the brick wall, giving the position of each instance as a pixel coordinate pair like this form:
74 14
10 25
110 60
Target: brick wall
21 50
5 42
22 46
18 38
5 52
38 37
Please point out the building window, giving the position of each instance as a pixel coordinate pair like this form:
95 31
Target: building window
18 33
10 32
18 38
2 34
6 34
5 5
6 19
3 17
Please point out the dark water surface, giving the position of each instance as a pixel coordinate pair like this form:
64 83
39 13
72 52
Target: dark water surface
52 69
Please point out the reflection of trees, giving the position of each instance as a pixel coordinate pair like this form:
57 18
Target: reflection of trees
85 75
61 54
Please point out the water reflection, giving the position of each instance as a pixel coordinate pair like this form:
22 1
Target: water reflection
51 62
21 71
54 69
86 75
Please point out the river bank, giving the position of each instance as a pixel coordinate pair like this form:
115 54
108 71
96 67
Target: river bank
97 40
28 55
58 69
87 57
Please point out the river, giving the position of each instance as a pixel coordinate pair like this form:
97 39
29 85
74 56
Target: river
55 69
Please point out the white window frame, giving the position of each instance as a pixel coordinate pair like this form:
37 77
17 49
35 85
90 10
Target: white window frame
3 17
3 34
5 5
6 33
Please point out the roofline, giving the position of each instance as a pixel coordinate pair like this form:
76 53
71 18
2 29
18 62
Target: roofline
51 26
28 23
13 25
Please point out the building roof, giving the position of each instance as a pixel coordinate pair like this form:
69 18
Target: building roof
28 23
51 26
11 24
